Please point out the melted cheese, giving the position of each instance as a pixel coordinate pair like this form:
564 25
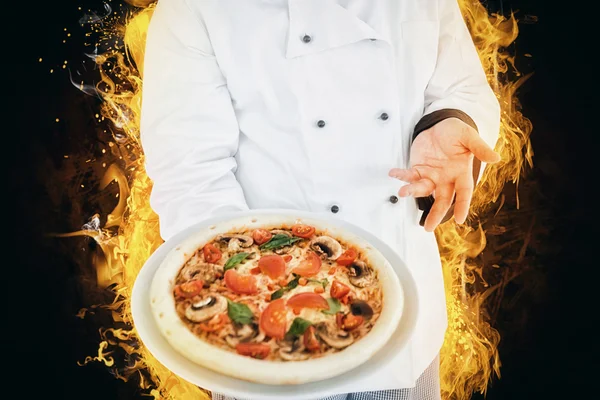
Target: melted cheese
267 286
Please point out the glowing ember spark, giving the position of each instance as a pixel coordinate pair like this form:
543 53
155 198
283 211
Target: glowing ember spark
469 356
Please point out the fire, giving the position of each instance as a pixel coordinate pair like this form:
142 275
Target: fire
469 357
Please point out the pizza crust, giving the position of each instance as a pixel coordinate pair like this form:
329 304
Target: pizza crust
249 369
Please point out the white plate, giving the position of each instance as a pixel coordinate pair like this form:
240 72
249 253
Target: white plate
150 334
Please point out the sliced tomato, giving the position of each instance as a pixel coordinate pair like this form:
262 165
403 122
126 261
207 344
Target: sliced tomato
287 258
255 350
272 265
345 299
273 320
189 289
310 266
351 321
255 271
261 236
308 300
347 257
303 231
310 339
339 320
211 253
338 289
241 284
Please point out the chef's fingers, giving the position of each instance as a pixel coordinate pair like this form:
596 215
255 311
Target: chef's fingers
480 148
406 175
464 192
443 200
416 173
428 172
420 188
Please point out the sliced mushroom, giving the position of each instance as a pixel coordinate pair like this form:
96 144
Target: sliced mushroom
201 270
235 241
283 250
293 350
327 247
245 333
206 308
334 337
360 274
362 308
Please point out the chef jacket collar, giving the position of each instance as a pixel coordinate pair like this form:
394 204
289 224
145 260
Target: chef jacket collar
327 25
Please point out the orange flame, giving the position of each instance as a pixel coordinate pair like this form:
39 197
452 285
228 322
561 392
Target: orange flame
469 355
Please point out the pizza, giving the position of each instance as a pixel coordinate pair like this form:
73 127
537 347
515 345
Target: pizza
284 293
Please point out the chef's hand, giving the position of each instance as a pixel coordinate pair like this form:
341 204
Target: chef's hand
441 160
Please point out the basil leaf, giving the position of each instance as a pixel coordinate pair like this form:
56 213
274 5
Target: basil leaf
323 282
279 236
277 294
279 240
292 284
239 313
334 306
235 260
280 292
298 327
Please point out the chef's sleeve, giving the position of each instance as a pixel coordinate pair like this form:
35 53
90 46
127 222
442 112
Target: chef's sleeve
458 86
189 131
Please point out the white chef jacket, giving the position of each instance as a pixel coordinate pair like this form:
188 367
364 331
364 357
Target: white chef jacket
307 104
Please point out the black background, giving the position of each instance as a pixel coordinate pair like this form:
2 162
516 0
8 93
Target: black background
547 357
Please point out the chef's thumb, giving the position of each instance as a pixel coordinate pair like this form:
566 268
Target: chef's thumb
481 150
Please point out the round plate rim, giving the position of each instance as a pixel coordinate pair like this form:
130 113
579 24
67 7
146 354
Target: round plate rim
150 336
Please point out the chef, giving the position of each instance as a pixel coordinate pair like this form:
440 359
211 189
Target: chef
375 111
